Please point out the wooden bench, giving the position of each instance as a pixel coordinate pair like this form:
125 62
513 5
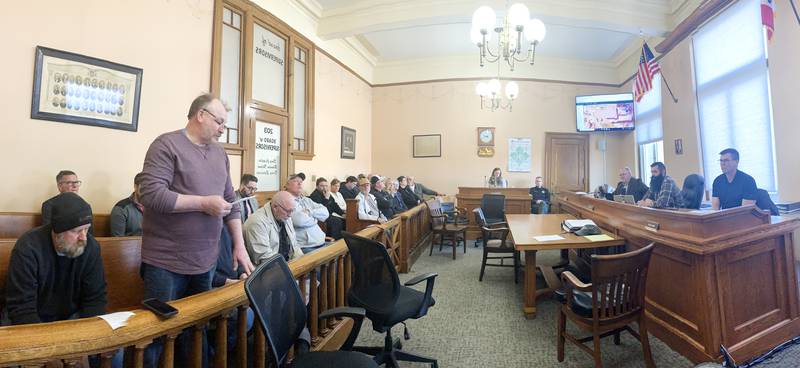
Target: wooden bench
14 224
121 259
353 223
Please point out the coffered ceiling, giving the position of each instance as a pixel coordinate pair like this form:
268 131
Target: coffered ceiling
601 33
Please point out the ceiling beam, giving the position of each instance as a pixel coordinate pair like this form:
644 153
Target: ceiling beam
653 17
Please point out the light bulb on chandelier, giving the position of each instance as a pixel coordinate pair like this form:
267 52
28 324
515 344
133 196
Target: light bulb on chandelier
491 96
516 26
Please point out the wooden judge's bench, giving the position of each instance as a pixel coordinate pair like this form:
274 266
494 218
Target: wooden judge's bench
716 277
518 201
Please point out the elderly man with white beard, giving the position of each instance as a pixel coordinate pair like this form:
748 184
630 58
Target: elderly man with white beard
55 271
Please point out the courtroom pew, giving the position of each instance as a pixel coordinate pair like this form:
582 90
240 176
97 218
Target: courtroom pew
14 224
121 259
353 223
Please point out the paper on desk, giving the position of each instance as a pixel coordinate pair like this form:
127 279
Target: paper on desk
600 237
117 320
544 238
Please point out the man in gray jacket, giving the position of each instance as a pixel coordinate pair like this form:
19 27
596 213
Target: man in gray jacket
269 230
420 189
126 216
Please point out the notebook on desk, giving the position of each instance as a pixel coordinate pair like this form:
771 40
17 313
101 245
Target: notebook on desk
626 198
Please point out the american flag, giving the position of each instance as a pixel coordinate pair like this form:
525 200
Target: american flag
648 67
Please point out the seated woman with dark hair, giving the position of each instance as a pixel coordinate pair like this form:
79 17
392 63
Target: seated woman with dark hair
692 192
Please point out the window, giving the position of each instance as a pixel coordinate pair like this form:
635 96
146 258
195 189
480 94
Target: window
733 102
649 133
230 72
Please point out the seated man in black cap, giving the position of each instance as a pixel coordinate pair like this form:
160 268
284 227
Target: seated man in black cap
55 271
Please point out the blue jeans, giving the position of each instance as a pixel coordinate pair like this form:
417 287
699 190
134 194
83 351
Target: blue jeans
166 286
540 208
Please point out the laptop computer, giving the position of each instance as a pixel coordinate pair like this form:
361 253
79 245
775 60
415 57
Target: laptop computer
624 199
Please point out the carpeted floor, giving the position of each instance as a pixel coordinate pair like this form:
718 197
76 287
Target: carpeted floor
480 324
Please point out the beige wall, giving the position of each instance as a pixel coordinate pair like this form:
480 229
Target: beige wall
170 40
341 99
453 110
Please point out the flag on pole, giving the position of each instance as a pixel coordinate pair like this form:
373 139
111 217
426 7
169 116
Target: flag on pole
768 16
648 67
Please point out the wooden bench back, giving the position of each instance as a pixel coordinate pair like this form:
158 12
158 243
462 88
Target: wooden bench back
121 259
353 223
14 224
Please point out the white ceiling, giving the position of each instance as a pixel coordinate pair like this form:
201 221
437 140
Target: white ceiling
604 32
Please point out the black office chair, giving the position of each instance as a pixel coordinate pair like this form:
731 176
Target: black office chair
376 288
765 203
493 206
692 192
276 300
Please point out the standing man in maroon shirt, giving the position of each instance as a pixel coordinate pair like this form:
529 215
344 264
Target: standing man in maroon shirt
187 192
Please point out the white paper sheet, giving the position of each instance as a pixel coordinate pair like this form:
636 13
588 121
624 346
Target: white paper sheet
544 238
117 320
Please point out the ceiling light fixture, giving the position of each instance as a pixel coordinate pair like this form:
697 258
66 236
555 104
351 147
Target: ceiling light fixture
491 96
516 25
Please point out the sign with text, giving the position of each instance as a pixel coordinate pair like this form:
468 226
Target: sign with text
268 156
269 67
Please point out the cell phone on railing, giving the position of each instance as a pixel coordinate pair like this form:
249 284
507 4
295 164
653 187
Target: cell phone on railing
160 308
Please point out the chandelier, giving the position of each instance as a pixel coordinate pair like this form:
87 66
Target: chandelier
516 25
491 98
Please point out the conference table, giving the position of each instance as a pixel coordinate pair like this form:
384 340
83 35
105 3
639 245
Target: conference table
524 230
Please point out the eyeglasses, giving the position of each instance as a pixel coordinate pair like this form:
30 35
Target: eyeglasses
216 119
726 160
76 183
284 208
251 188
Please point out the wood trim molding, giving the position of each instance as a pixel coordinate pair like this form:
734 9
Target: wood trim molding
475 79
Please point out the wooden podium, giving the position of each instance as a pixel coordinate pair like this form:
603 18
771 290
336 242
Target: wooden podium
518 201
716 277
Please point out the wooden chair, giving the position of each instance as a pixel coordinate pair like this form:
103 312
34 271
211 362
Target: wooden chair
495 240
606 307
441 228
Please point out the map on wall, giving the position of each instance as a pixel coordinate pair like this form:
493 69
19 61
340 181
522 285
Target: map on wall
519 155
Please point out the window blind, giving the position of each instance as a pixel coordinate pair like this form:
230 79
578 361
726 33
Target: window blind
648 114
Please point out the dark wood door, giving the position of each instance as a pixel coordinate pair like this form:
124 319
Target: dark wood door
566 162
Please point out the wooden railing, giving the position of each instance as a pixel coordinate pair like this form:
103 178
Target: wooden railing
326 270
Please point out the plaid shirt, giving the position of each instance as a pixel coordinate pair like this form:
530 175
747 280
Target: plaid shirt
668 197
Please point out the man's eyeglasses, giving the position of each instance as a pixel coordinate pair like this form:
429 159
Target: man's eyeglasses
726 160
284 208
251 188
76 183
216 119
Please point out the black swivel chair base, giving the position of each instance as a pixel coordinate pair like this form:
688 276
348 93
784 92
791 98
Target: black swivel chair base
392 352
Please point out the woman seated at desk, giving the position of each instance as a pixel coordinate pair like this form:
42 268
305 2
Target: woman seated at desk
497 180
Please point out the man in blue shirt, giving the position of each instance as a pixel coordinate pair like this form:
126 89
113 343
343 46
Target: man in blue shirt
732 188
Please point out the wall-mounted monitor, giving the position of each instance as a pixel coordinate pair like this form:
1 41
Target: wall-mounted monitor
604 112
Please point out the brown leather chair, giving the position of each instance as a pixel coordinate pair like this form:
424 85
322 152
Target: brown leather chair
439 227
495 240
607 306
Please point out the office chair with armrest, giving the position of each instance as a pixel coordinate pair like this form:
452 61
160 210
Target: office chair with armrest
443 230
376 288
765 203
276 300
495 240
614 299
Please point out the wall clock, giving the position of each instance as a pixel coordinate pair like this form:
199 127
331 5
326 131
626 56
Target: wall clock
485 137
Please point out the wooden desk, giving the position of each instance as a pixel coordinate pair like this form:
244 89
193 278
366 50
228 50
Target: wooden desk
518 201
524 228
716 277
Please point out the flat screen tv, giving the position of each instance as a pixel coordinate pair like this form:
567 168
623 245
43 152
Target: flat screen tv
604 112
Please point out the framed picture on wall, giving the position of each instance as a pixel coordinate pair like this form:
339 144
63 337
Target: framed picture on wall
78 89
427 145
348 143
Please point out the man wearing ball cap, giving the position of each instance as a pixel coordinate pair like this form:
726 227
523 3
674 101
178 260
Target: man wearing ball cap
55 271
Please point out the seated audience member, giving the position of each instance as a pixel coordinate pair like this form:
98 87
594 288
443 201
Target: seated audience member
335 184
732 188
397 200
382 197
322 195
247 188
419 189
55 271
270 230
67 181
664 192
350 188
629 185
367 205
409 198
497 180
305 216
692 192
361 176
126 216
540 202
